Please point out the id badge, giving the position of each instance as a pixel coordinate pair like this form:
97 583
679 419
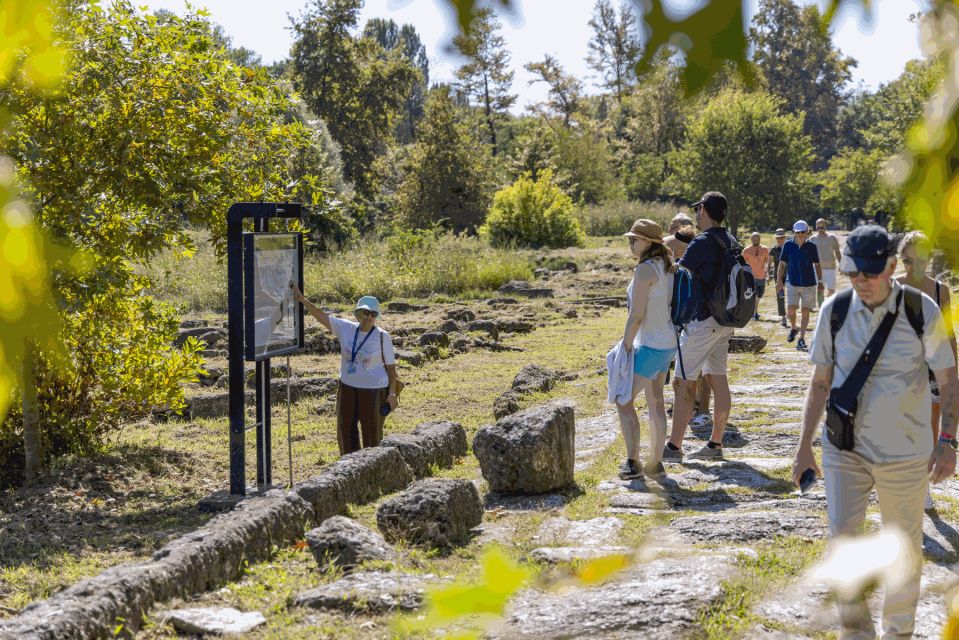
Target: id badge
351 368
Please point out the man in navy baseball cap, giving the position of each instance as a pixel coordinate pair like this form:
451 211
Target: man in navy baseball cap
867 250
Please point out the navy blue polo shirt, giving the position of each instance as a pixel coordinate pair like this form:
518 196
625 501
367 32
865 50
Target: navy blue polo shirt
799 263
704 259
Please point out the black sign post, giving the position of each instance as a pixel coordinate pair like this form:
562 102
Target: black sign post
260 213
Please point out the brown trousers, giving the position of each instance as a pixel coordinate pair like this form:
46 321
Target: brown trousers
358 413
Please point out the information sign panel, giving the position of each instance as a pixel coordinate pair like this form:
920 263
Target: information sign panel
274 320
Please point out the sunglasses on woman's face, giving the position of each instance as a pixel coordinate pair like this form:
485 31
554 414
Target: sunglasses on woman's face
911 261
366 313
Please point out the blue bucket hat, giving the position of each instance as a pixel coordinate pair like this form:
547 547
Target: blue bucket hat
867 249
369 303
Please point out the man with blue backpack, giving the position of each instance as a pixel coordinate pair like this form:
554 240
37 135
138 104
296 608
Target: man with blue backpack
724 298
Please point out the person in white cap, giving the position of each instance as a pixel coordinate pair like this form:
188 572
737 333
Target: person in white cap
368 385
799 274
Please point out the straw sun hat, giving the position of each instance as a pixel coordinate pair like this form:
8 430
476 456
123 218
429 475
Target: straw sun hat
646 229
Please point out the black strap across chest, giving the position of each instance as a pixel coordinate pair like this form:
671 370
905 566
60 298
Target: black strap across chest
856 380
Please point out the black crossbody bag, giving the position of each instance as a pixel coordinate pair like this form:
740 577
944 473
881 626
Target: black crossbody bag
844 400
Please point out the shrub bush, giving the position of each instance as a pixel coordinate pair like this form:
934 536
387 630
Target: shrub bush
532 213
615 218
121 364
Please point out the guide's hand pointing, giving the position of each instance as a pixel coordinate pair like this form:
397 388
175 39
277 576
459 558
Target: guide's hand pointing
297 294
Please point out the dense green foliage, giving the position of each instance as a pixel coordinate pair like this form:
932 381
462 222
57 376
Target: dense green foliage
533 213
446 179
758 154
356 86
153 127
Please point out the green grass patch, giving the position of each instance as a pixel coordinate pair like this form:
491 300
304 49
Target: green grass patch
615 217
778 562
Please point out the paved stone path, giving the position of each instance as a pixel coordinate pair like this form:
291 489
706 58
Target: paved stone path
716 513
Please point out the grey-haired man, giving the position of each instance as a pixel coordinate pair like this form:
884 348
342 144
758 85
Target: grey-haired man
892 449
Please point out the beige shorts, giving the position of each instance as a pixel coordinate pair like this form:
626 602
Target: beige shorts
829 278
806 295
704 347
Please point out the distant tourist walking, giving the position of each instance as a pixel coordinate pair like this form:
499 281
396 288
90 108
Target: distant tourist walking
651 339
705 343
758 258
878 413
800 275
775 254
368 382
914 252
828 247
681 233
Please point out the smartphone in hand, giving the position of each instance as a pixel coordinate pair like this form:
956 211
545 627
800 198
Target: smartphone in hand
806 480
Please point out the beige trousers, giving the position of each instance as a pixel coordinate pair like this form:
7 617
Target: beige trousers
901 487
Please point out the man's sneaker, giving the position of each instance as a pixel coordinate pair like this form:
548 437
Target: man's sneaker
701 420
801 345
755 316
672 455
792 335
629 470
656 471
930 505
783 323
706 453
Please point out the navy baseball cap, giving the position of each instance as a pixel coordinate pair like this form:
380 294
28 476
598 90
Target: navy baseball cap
867 249
714 203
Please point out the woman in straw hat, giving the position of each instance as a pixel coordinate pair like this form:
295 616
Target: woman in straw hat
368 384
649 333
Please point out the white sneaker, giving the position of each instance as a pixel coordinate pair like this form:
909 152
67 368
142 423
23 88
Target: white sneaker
701 420
929 503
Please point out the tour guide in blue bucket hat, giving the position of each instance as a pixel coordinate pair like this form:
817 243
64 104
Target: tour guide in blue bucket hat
867 250
368 388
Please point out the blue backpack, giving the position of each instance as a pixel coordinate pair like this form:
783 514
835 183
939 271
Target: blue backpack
682 307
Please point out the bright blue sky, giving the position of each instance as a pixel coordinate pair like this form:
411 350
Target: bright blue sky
558 27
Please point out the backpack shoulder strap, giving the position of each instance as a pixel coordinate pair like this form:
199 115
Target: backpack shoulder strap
838 313
382 352
913 299
939 294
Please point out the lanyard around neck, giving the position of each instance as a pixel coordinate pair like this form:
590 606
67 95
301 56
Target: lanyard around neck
355 350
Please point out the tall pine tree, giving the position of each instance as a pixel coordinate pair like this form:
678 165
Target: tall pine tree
486 76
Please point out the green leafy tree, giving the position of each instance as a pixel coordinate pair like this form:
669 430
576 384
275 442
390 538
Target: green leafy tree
614 48
353 84
446 178
532 213
565 91
405 39
153 127
880 120
851 180
486 76
744 145
801 66
650 125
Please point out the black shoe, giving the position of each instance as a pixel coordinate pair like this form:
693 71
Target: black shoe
629 470
801 345
792 335
783 323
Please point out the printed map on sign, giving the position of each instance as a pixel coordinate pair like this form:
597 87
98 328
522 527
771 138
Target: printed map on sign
275 313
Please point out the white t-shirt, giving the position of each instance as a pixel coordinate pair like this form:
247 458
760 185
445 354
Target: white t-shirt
370 370
893 421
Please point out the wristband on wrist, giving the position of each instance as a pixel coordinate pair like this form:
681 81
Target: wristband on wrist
945 438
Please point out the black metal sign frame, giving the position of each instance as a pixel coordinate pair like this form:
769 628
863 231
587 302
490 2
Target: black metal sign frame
261 213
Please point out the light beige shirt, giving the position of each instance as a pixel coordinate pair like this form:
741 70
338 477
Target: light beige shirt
894 419
827 246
